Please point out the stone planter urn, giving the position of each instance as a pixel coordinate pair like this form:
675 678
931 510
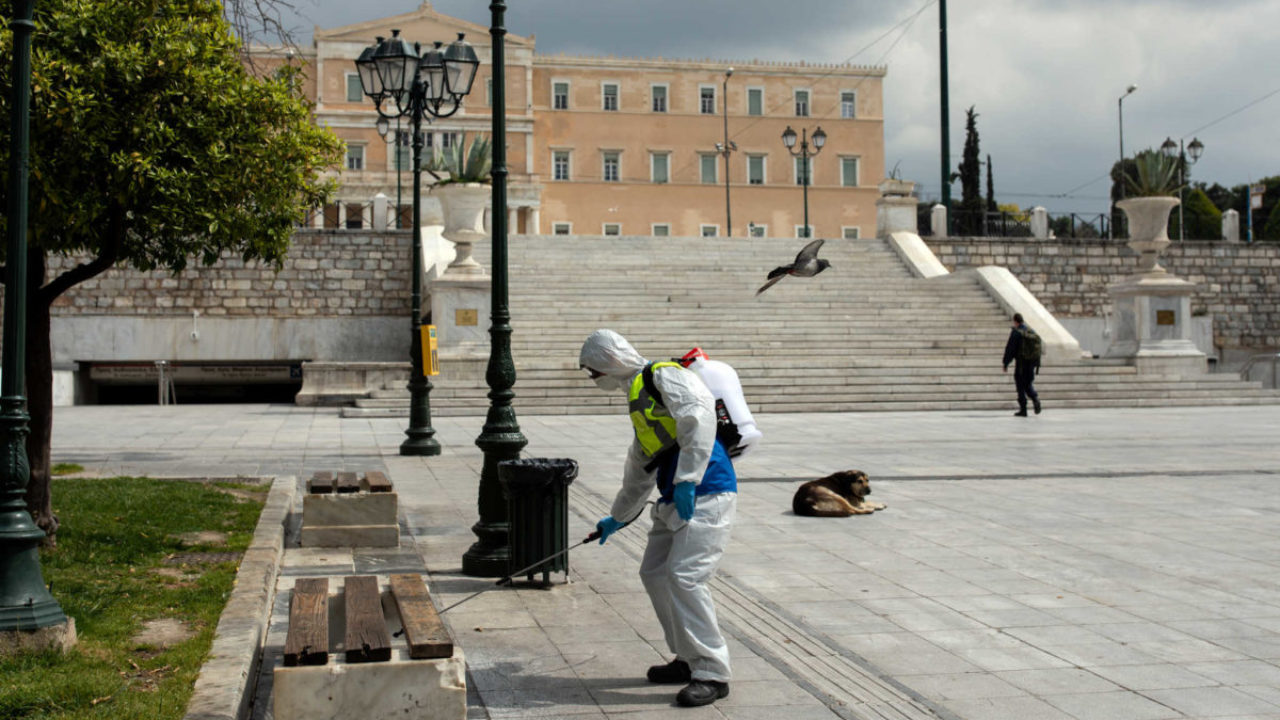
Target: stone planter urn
463 205
1148 229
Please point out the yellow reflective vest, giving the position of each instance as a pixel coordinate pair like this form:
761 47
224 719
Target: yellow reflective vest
654 426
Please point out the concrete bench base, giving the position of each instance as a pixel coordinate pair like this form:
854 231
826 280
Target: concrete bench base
350 520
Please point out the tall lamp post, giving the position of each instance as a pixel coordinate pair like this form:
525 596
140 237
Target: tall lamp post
819 139
725 148
25 602
403 81
384 128
1193 150
1120 103
501 438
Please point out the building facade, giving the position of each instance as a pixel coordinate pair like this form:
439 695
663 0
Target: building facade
623 146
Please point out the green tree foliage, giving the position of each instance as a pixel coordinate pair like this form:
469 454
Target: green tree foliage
151 145
969 215
991 188
1204 220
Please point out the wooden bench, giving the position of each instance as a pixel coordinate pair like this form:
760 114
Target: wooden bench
368 631
350 509
376 648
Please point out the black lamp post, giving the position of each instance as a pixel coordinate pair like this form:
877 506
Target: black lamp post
25 602
1193 150
384 128
403 81
501 438
819 139
725 148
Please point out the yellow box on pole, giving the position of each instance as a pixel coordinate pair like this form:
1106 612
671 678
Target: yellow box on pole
430 355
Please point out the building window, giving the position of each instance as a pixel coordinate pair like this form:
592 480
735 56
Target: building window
611 162
849 171
661 230
709 230
850 232
802 233
560 165
755 169
561 228
707 99
757 231
708 163
660 167
355 93
802 103
802 170
560 96
355 157
404 150
659 94
448 140
755 101
609 97
488 91
613 229
848 104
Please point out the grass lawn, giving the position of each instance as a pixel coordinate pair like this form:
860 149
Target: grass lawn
132 551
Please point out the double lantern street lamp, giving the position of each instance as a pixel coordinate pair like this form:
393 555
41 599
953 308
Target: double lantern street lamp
1193 150
819 139
403 81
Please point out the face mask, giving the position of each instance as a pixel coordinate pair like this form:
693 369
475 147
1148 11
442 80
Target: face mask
608 383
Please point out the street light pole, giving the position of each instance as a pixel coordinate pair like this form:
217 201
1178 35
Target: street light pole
500 438
789 140
25 602
726 148
414 83
1128 91
1196 148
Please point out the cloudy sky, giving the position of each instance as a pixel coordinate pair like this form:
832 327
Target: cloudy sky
1044 75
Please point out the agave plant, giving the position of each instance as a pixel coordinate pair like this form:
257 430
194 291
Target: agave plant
1156 174
462 164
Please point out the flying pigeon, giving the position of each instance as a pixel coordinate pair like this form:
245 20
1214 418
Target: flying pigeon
807 264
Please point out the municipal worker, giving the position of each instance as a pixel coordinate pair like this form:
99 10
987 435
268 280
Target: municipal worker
675 447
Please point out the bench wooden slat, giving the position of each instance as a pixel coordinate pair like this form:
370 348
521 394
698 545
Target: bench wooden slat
375 481
321 483
307 642
348 482
424 631
367 639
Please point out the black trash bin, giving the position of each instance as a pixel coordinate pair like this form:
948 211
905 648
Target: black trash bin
537 492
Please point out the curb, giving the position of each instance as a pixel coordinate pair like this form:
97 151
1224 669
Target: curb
222 690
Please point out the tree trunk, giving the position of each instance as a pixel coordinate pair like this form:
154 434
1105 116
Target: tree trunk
39 398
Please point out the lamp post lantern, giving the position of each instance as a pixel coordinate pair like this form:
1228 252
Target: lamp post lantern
724 149
789 140
402 81
501 438
25 602
1193 150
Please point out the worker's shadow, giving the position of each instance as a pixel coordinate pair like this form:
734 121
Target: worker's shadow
512 686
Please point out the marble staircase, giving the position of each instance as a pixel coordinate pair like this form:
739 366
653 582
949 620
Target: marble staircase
864 335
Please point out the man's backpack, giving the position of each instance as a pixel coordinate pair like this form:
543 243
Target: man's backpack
1031 345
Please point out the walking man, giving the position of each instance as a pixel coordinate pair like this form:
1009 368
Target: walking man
1023 349
673 415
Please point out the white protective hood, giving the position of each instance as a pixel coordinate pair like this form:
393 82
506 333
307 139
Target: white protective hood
607 352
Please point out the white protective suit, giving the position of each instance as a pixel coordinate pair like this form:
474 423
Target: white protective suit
680 557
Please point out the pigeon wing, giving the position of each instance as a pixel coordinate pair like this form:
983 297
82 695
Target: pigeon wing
809 253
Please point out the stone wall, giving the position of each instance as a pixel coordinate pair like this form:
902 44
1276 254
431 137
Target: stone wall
328 273
1239 283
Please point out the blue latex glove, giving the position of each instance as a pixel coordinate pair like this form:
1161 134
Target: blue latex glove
607 527
683 496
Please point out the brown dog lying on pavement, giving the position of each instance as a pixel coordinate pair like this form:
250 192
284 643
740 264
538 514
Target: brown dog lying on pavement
837 495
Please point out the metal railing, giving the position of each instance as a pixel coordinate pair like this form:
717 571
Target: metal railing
990 224
1269 376
1077 225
